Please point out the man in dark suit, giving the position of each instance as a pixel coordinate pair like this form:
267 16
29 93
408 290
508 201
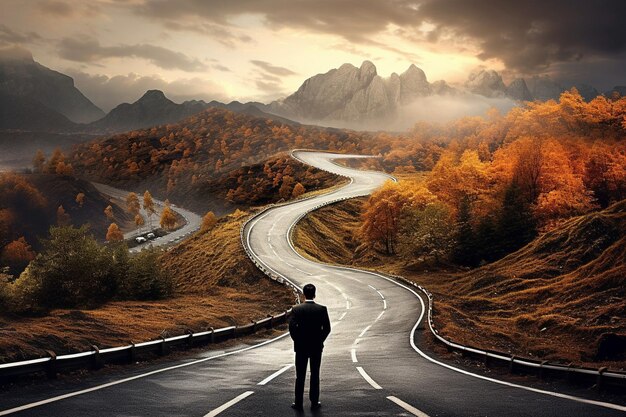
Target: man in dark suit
309 327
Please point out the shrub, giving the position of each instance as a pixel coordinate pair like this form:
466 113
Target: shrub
145 278
72 270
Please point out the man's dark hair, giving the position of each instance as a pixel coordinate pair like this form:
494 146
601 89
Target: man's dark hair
309 291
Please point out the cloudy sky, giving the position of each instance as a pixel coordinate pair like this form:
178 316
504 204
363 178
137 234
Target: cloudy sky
264 49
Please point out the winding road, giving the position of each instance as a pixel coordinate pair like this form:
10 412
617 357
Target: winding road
192 220
372 364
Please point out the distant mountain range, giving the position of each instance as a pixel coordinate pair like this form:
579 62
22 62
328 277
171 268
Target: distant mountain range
350 94
36 98
22 77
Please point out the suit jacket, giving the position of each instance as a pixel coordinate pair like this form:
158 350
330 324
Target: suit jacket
309 326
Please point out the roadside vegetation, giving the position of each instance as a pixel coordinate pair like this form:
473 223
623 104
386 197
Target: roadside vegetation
74 271
560 297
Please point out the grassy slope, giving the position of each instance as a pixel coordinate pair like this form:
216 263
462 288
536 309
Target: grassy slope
217 286
554 299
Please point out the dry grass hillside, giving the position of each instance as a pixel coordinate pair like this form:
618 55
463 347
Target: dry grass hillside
217 286
562 297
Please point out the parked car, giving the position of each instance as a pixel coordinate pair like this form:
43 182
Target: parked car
140 239
151 235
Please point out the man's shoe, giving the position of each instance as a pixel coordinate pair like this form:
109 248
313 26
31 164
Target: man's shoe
297 407
316 406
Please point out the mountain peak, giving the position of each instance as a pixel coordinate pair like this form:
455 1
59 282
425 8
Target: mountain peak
153 95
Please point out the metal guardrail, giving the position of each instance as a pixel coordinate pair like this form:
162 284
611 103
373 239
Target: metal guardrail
96 358
602 376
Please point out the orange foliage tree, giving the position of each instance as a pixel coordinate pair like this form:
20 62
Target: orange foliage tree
114 234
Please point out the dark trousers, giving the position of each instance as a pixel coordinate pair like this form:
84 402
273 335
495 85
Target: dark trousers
302 358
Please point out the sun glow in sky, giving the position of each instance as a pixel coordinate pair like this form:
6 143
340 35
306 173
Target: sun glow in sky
264 49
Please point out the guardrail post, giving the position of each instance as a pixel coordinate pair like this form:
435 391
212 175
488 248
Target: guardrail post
132 353
254 326
212 339
96 360
570 372
512 364
542 370
162 347
270 323
189 338
600 378
51 367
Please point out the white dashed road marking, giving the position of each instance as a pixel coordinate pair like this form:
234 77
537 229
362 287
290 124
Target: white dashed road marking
407 407
275 374
229 404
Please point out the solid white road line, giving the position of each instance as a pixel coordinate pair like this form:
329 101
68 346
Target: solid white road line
229 404
407 407
275 374
353 355
347 304
365 331
485 378
343 315
372 287
368 378
132 378
381 294
380 315
385 304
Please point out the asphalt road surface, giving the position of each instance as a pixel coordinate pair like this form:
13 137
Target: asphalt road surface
192 220
372 365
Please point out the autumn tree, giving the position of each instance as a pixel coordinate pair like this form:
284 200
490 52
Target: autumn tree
168 218
108 212
63 219
381 215
16 255
114 234
80 199
64 169
39 161
56 158
298 190
139 221
148 206
208 222
132 204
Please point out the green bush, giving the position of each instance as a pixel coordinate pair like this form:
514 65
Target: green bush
6 299
74 271
146 279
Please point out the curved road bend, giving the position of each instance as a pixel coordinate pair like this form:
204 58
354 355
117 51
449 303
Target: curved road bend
192 220
371 366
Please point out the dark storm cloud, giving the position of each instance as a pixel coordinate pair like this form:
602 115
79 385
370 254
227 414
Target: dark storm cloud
90 50
351 19
273 69
528 36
